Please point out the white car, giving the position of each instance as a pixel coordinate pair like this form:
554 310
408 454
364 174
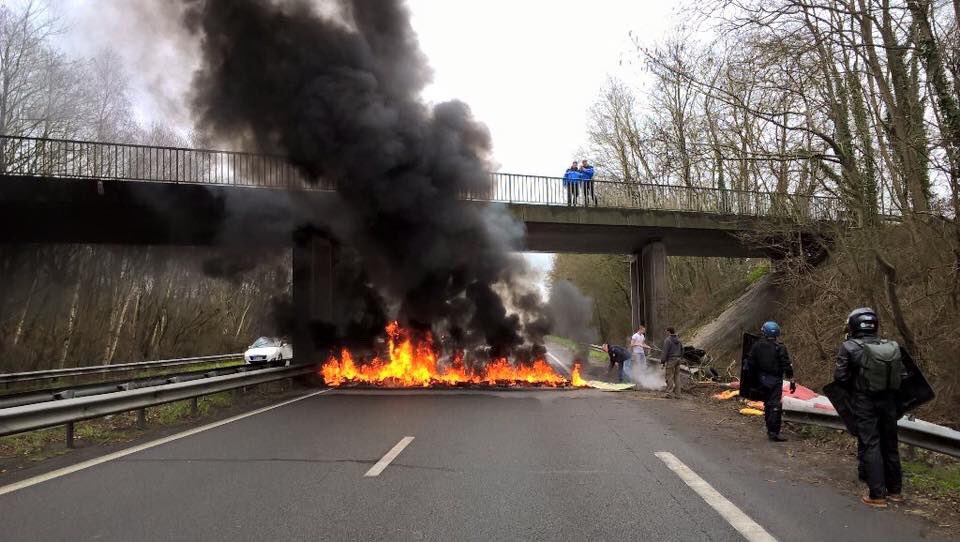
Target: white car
269 350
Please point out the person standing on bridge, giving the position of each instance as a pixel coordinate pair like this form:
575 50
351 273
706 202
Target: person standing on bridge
586 180
769 358
672 354
871 369
571 181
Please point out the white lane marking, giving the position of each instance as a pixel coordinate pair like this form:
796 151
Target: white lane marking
750 529
145 446
390 456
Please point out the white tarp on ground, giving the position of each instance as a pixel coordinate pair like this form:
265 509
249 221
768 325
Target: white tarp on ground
610 386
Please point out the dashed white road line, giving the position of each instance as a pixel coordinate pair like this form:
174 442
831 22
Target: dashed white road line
750 529
145 446
377 468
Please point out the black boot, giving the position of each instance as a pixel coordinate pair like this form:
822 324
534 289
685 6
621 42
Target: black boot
775 437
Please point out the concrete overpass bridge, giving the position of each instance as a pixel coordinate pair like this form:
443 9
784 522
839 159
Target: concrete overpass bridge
64 191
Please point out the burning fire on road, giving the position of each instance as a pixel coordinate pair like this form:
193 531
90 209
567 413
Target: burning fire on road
411 363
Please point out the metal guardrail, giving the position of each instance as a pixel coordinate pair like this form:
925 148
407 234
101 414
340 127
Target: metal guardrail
31 376
67 411
914 432
96 388
70 159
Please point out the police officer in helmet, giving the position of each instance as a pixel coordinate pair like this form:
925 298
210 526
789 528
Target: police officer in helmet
768 357
870 368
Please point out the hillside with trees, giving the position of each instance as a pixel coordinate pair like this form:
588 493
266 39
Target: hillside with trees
67 305
848 99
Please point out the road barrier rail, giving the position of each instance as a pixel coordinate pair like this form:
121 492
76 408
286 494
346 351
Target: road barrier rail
50 374
122 384
915 432
31 417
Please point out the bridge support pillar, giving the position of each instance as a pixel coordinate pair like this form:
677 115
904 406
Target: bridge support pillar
648 289
636 292
313 283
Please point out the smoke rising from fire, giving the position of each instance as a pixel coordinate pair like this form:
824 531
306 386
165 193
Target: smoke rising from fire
571 313
337 92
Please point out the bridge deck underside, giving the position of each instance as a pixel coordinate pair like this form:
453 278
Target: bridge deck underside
85 211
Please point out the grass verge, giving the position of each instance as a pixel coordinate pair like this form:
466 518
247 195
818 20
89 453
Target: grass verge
939 480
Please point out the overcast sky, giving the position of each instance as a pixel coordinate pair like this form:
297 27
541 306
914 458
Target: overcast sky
530 69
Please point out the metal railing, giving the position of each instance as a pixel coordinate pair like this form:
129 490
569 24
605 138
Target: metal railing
36 416
539 190
911 431
69 391
69 159
33 376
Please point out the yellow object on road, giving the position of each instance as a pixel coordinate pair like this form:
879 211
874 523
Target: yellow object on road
751 412
724 395
755 404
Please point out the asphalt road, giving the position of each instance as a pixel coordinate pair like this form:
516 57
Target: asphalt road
511 465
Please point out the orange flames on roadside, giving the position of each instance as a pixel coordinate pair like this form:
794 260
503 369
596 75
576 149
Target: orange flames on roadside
412 363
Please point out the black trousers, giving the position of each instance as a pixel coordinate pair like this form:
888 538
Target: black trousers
588 193
573 191
878 445
619 365
772 405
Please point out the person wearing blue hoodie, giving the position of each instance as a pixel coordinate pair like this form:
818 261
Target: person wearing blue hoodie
571 181
586 182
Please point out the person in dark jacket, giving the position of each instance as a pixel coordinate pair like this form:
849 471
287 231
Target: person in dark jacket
586 183
672 354
571 181
618 356
875 411
769 358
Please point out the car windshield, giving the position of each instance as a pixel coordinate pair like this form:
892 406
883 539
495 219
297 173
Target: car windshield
265 341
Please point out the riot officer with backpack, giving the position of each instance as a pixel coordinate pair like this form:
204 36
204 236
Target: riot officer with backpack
871 368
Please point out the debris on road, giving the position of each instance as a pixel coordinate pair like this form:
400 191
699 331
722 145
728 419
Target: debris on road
751 412
610 386
725 395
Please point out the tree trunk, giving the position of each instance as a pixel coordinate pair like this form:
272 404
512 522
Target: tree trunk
890 274
26 309
72 318
115 332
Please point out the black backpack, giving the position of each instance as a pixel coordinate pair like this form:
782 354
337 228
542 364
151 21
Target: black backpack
882 366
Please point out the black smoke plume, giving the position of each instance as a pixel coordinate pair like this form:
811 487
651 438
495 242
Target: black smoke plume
338 94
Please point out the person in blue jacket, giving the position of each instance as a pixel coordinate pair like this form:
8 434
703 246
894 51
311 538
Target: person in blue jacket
586 183
571 181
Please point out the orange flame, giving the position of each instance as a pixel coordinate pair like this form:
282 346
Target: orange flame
415 364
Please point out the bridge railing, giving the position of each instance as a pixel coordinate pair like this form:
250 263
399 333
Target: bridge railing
70 159
537 190
61 158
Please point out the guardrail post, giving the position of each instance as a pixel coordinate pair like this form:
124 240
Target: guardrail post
70 435
141 418
194 406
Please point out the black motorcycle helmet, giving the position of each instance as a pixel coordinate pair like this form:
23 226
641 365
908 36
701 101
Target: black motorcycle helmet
863 321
